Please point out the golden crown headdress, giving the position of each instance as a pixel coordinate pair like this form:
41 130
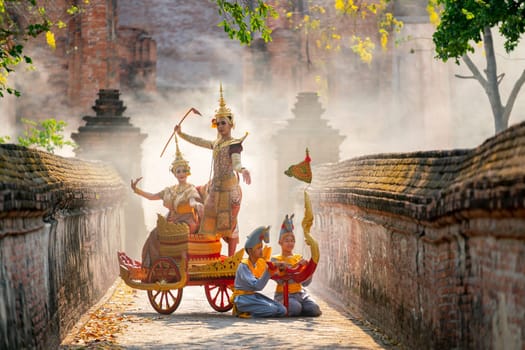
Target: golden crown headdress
179 161
222 111
301 171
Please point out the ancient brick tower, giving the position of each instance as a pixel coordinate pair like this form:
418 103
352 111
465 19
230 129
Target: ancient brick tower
110 137
93 52
306 130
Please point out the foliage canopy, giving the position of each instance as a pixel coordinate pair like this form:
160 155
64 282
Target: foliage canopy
242 20
47 135
21 20
463 23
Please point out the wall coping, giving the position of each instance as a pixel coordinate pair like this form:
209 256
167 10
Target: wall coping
39 183
433 185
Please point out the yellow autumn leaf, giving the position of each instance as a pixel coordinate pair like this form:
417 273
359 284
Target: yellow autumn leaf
339 5
384 41
352 7
50 39
3 78
363 48
384 38
433 14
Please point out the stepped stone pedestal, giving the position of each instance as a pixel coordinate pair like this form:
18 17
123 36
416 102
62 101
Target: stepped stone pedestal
306 130
109 136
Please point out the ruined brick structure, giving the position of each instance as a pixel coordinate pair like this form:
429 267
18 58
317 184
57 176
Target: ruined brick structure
138 57
143 46
298 59
92 53
307 129
60 228
192 49
109 136
429 246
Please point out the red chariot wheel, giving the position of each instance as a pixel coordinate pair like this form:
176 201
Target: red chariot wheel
164 270
218 296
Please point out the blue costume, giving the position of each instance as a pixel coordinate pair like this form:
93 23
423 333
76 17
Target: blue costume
299 301
252 277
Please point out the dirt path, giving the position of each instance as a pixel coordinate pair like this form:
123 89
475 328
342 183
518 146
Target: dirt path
126 320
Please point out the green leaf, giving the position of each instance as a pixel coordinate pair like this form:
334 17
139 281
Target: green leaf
48 135
242 23
463 21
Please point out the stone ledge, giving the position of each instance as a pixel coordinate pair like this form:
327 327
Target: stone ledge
32 180
434 184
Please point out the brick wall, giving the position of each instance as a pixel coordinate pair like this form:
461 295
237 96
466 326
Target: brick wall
94 63
60 226
429 246
91 53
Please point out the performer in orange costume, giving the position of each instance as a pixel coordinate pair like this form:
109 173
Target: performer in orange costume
183 201
299 301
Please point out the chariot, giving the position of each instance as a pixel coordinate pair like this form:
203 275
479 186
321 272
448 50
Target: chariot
185 260
195 260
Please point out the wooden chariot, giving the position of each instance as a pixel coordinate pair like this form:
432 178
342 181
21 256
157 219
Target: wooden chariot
185 260
195 260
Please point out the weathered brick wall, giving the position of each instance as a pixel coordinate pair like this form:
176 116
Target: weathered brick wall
138 68
430 246
92 52
60 226
93 64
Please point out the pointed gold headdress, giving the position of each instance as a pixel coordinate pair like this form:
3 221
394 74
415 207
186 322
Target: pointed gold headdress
179 161
301 171
222 112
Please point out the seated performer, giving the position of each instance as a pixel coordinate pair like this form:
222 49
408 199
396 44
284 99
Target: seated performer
252 275
182 200
299 302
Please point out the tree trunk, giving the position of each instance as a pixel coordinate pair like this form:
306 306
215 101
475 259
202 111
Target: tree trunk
492 85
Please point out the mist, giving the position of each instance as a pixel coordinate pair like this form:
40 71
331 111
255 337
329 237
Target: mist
420 106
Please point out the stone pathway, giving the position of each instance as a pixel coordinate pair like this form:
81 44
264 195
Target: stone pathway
195 325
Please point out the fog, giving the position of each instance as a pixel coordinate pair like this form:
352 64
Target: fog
421 105
159 124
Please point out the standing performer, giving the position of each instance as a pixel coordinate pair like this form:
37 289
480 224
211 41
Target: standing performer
223 202
299 301
252 275
182 200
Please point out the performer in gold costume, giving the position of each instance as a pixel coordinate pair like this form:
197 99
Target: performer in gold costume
223 202
300 303
183 201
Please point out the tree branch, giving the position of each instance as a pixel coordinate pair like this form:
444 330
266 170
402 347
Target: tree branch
475 71
464 76
513 95
500 77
